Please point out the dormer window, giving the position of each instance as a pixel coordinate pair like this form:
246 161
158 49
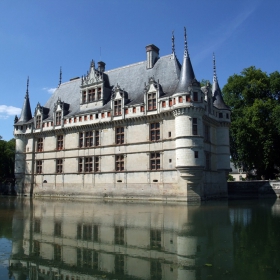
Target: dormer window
58 118
84 96
118 107
152 101
195 96
38 121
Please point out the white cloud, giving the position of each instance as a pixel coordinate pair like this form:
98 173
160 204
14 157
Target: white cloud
7 111
50 90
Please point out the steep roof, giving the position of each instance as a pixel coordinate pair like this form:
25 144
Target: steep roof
218 100
25 115
131 78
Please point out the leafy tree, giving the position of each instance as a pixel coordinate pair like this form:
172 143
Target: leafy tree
7 160
254 98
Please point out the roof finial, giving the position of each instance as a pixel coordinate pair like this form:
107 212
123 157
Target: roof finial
186 52
214 69
60 77
27 92
173 42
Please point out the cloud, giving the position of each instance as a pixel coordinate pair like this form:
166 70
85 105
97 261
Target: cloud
7 111
49 90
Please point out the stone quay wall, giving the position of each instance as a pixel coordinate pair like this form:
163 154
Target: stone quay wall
253 189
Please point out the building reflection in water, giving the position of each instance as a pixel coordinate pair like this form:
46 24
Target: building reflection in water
75 240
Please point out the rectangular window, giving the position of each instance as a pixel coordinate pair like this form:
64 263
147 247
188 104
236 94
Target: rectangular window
142 108
152 104
75 119
195 154
65 121
195 96
40 145
126 111
155 161
57 229
194 126
38 166
99 93
57 252
70 120
154 131
174 101
163 104
220 115
88 164
95 233
119 235
97 138
59 165
90 95
180 99
118 107
37 226
36 248
119 162
102 115
58 118
134 109
87 232
80 119
84 97
81 139
80 165
170 102
109 114
88 139
119 135
91 117
119 264
38 121
85 118
96 164
59 142
155 238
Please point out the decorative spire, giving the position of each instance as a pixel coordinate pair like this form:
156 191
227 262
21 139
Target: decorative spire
187 75
27 86
26 115
173 42
186 51
218 100
60 77
214 69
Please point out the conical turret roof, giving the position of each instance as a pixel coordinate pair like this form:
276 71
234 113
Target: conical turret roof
26 109
218 100
187 73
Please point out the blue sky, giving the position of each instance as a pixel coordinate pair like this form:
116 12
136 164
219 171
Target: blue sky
40 36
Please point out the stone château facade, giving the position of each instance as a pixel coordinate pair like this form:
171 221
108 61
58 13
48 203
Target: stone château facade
146 130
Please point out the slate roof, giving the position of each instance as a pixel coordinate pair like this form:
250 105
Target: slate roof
25 115
131 78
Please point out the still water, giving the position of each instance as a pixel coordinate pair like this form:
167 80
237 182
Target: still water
76 240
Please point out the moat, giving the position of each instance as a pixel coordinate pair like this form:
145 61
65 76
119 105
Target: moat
86 239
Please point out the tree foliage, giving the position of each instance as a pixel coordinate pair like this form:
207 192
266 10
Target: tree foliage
7 160
254 98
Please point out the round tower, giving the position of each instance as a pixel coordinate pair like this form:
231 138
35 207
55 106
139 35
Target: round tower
189 129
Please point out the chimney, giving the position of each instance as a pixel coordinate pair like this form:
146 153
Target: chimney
101 66
152 55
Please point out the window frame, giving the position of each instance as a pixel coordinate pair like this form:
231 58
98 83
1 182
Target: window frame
59 142
119 163
39 166
194 126
38 121
119 135
152 101
59 165
58 115
155 161
117 107
154 131
40 144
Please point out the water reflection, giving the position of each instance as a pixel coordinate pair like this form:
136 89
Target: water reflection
75 240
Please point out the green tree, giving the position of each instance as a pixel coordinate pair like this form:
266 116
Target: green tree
254 98
7 160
